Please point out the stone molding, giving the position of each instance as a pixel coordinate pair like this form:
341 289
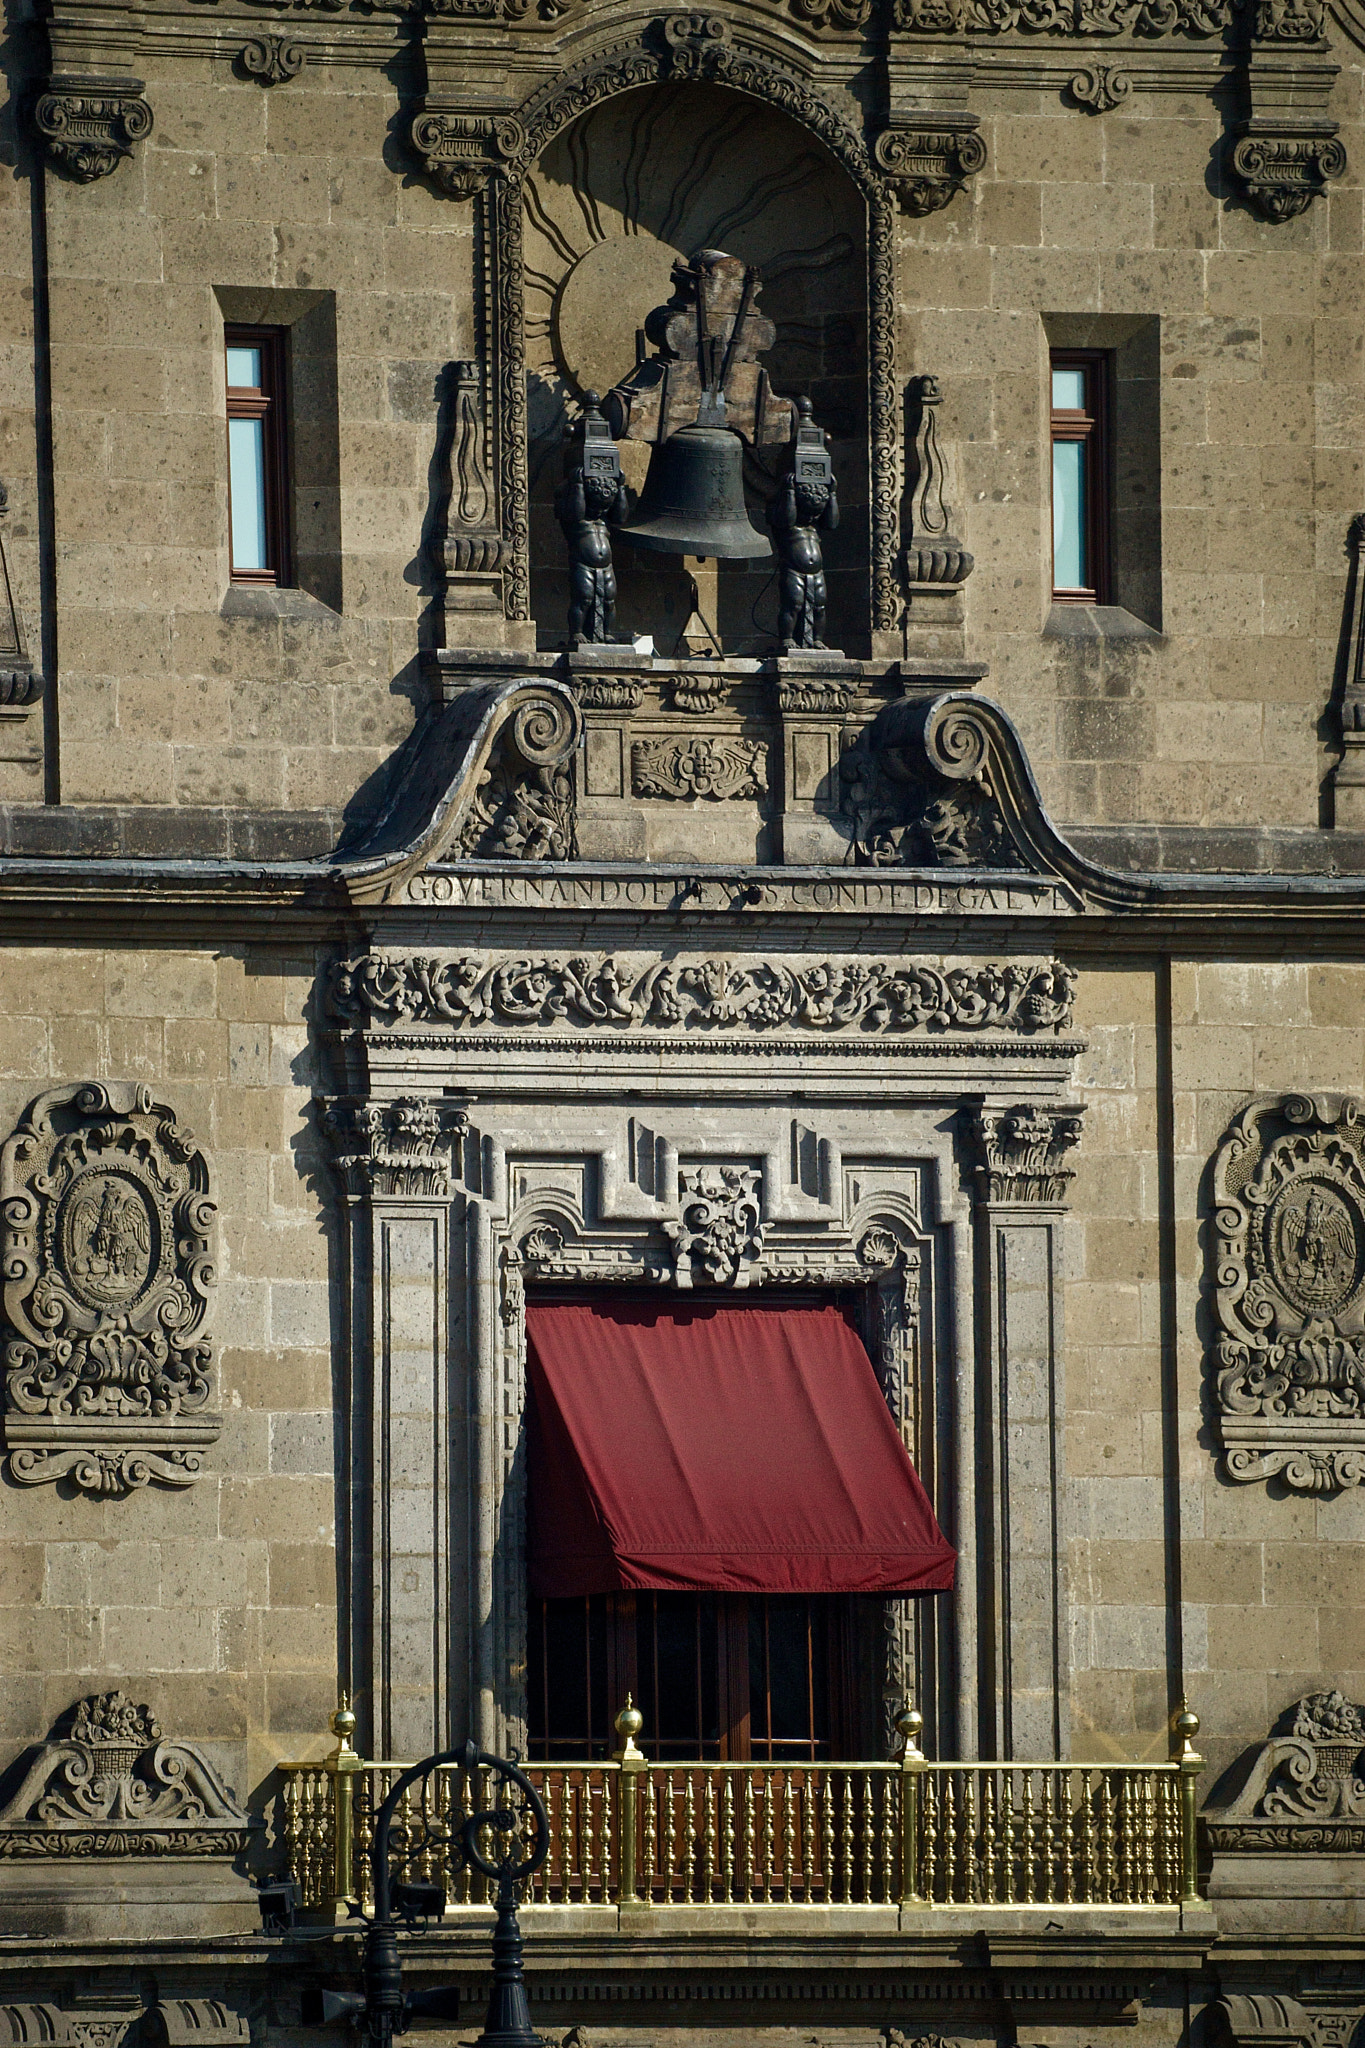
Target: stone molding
89 124
929 159
717 996
1289 1288
108 1232
1021 1153
1303 1790
107 1785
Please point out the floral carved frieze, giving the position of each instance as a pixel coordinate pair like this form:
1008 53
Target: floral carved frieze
703 766
89 125
1304 1788
107 1784
714 996
1289 1285
108 1262
1148 19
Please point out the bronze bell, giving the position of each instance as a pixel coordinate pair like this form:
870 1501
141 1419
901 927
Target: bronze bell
693 499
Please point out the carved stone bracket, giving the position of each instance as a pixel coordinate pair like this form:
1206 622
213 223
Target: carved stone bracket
108 1263
1289 1285
1285 165
395 1149
918 791
1020 1153
105 1784
273 59
929 158
88 125
1099 88
461 152
719 1235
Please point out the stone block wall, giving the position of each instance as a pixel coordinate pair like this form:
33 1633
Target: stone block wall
216 1604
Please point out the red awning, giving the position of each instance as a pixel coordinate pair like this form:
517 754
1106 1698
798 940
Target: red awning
718 1449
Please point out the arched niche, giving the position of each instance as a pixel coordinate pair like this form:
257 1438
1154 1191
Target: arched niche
612 200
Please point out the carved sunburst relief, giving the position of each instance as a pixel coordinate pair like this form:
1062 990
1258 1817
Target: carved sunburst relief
637 182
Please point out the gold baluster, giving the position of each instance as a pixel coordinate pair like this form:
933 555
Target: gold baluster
709 1840
788 1836
728 1834
1029 1839
931 1872
952 1848
888 1784
827 1791
867 1831
632 1762
687 1857
990 1839
1066 1793
1191 1764
846 1840
748 1839
810 1795
1050 1886
970 1843
767 1786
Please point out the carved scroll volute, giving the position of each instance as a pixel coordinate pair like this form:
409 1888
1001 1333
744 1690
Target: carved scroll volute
108 1258
1289 1284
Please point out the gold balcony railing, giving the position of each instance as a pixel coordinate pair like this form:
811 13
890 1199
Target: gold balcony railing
906 1834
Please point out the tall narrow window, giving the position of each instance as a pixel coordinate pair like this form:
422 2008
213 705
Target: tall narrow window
1080 477
256 454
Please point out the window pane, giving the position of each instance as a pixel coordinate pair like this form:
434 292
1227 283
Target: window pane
1070 570
1068 389
246 489
243 368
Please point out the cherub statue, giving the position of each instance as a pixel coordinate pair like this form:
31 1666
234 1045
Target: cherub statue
591 499
805 506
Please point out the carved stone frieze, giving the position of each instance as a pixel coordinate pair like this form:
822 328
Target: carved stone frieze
398 1148
1284 169
601 693
1099 88
712 996
1304 1788
1289 1285
699 695
719 1234
930 160
1148 19
108 1262
88 125
1021 1152
273 59
821 694
705 766
106 1784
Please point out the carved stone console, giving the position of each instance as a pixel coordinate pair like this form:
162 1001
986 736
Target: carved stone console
108 1231
1287 150
112 1829
90 124
929 157
1289 1287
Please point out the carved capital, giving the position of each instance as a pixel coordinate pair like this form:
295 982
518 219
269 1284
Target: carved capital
396 1149
88 125
1021 1153
462 152
929 159
108 1275
1283 169
1289 1279
719 1235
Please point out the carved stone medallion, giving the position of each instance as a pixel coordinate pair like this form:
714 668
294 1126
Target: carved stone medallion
108 1276
706 766
1289 1185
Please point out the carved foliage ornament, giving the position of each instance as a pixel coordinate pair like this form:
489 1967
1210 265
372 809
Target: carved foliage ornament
108 1263
110 1786
1289 1194
928 162
702 767
88 125
715 996
1021 1153
720 1232
524 807
273 59
398 1148
1304 1788
1146 18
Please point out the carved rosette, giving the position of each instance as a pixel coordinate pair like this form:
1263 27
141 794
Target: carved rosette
399 1148
1021 1153
1289 1281
929 160
706 766
462 152
88 125
108 1233
1283 169
719 1235
106 1785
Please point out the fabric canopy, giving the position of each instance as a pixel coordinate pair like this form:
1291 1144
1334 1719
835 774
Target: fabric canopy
718 1449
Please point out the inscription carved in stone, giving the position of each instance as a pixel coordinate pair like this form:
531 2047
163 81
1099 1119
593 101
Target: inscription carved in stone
714 996
702 767
1289 1193
107 1234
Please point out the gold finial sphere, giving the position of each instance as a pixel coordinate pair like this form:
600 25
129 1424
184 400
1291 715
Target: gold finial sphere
1186 1722
909 1722
629 1721
343 1722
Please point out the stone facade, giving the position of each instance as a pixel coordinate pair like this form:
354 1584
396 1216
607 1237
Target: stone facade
372 956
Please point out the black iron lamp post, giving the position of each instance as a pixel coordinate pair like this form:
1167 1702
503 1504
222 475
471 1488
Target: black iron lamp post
506 1843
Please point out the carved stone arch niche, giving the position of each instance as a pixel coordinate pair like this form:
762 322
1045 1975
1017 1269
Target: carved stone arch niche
637 181
886 1250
